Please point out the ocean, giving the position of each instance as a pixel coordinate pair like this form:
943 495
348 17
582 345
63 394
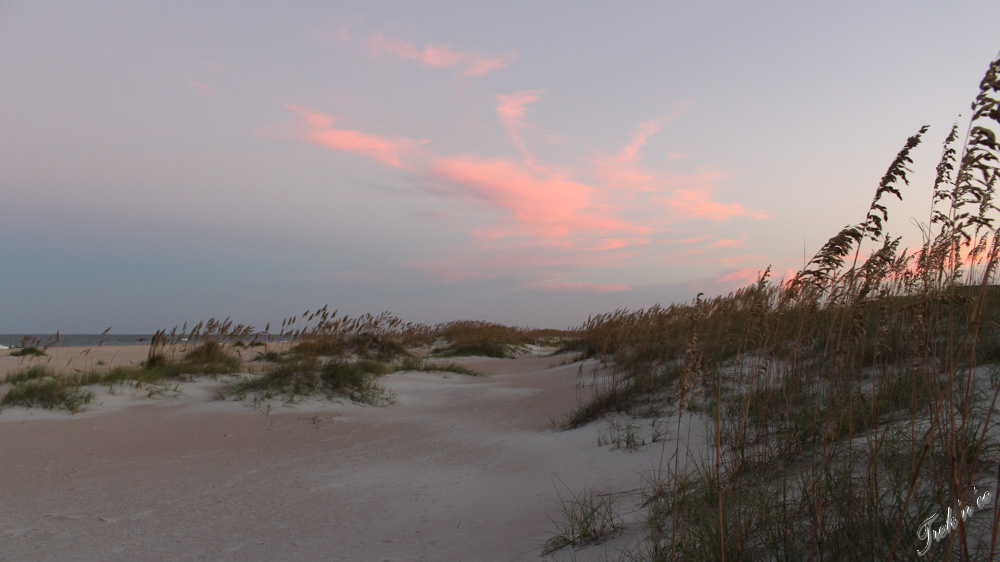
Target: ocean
76 340
93 340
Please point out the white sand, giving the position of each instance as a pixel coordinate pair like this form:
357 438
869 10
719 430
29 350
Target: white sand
459 468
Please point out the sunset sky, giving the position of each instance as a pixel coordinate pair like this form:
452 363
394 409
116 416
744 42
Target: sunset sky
522 162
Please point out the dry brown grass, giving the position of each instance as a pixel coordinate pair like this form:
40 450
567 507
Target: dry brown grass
846 405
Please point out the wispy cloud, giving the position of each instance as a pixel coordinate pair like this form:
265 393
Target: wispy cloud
552 221
439 56
615 243
386 150
510 110
697 202
646 129
730 242
547 202
623 170
539 200
734 279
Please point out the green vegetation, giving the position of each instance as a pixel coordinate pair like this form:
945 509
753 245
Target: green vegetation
37 387
209 358
631 434
29 351
327 356
31 373
306 377
588 517
414 364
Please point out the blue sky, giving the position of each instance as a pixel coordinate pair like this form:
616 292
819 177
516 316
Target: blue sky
521 162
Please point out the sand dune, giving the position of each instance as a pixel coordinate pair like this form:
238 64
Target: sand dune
459 468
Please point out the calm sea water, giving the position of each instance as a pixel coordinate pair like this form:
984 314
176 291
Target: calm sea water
78 340
92 340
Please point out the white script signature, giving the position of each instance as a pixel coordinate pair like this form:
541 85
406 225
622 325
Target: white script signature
950 523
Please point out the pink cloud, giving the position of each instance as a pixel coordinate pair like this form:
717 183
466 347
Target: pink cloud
440 56
738 278
733 279
511 111
512 106
697 202
386 150
730 242
623 170
619 175
692 240
549 203
615 243
541 201
555 222
631 151
646 129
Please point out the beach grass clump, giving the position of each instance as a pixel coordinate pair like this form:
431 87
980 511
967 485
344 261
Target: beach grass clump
354 379
630 435
549 337
210 357
30 351
640 393
415 364
323 334
587 517
30 373
37 387
32 346
40 387
480 338
302 377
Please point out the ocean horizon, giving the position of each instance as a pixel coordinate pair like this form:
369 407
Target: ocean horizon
75 340
91 340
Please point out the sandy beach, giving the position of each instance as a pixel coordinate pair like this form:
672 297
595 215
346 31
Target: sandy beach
458 468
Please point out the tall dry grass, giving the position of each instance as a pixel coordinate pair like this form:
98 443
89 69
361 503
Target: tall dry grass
848 405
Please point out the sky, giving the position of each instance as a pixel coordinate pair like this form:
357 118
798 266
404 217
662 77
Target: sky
530 163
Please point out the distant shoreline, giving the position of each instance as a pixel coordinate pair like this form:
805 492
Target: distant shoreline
13 341
76 340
